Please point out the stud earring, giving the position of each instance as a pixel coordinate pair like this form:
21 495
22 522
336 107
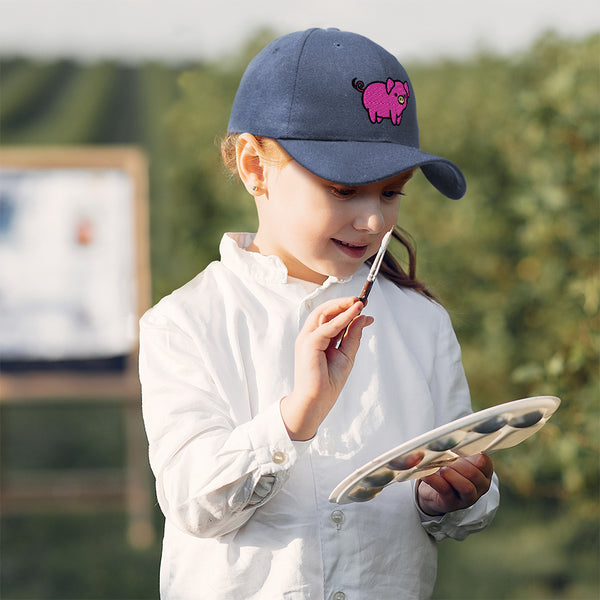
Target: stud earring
254 188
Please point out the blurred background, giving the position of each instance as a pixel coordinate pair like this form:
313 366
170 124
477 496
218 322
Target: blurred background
510 91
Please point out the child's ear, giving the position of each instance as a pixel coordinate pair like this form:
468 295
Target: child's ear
250 164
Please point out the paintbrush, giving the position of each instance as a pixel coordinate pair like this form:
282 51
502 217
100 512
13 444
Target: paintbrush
371 276
375 267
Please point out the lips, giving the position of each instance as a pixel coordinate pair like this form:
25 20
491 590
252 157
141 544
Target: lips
350 249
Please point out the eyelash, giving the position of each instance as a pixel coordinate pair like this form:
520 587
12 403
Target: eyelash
392 194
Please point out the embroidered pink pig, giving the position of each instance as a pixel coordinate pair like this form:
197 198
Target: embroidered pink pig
384 100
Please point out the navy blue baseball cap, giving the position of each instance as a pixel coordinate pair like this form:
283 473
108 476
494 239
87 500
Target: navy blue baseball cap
340 105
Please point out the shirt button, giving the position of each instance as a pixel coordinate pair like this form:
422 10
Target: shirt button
278 457
339 596
337 516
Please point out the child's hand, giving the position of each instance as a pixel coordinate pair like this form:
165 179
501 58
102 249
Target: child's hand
456 486
321 369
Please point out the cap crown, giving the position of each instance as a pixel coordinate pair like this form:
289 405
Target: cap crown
326 84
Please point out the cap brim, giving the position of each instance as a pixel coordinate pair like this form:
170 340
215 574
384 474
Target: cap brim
360 163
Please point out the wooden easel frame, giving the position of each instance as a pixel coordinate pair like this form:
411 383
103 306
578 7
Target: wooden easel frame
122 386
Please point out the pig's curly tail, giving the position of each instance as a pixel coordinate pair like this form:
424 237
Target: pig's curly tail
358 85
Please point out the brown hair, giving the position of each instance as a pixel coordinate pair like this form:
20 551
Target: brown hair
272 151
390 268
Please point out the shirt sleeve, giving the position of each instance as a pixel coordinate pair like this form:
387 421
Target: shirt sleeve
460 523
211 473
450 390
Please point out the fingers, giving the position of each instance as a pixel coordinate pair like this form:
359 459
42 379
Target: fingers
351 340
482 462
458 485
331 310
466 478
329 320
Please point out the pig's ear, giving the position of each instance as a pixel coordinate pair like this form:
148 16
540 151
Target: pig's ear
389 85
406 88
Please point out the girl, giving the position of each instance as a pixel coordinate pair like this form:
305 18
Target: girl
250 432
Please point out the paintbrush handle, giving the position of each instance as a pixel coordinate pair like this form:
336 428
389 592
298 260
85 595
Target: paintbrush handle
366 291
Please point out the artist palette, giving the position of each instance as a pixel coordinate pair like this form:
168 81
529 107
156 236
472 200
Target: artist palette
488 430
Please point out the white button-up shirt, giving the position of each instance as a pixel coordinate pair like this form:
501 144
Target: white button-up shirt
247 510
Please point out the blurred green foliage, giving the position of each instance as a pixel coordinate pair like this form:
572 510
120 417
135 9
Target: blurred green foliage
515 261
517 258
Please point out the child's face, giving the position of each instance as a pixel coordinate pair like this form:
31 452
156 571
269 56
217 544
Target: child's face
319 228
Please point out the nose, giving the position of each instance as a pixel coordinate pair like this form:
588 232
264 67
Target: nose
369 217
